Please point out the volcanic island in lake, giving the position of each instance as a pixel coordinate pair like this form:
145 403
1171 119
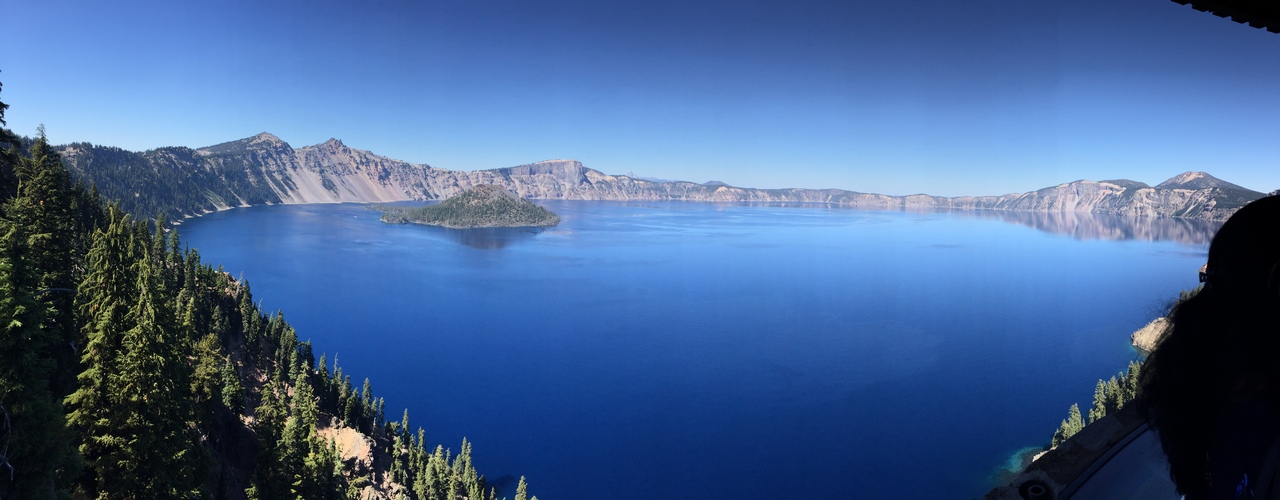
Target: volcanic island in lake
486 205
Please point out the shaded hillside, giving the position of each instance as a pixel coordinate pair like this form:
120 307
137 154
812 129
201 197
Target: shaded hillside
485 205
264 169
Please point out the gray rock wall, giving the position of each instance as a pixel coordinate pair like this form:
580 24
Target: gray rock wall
334 172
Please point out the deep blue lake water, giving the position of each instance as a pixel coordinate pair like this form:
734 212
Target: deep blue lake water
685 350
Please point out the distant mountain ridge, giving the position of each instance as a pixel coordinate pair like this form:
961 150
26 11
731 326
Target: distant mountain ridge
263 169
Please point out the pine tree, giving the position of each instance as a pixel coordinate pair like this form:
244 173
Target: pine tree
158 255
298 442
521 490
175 262
465 471
306 356
232 393
1115 395
1132 382
1073 419
154 398
366 408
1100 398
42 208
322 471
1069 427
219 325
207 377
438 465
351 411
340 395
270 479
380 415
104 297
248 323
34 439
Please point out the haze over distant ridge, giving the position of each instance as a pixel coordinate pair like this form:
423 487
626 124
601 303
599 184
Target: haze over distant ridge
263 169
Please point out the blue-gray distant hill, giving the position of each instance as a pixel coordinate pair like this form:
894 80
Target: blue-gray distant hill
263 169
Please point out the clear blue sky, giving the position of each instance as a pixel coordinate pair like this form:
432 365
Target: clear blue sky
897 97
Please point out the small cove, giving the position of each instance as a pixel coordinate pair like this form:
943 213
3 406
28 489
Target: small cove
682 350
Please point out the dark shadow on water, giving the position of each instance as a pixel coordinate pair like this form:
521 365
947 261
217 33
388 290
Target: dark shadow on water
490 238
1094 226
503 484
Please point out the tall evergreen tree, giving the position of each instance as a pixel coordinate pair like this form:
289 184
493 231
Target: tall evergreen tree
270 480
296 442
1132 382
42 208
1073 424
104 297
35 445
232 392
522 490
365 419
154 402
1115 395
1099 408
208 377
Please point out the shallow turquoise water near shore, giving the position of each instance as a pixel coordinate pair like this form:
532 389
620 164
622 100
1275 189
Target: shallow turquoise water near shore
685 350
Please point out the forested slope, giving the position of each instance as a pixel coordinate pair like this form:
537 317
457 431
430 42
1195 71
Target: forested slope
129 368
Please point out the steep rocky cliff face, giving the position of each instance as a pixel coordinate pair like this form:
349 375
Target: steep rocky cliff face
1148 336
265 170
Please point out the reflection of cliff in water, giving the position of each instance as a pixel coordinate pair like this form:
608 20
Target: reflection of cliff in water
1103 226
490 237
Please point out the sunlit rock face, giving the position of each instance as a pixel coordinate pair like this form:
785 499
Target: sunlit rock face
1148 336
264 169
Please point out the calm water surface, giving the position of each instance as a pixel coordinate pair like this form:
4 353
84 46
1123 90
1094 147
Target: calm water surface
684 350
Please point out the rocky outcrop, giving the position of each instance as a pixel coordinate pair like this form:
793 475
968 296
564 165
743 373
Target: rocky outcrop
1146 338
264 169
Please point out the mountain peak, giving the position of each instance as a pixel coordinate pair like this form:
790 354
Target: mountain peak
1197 180
333 143
266 137
264 140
